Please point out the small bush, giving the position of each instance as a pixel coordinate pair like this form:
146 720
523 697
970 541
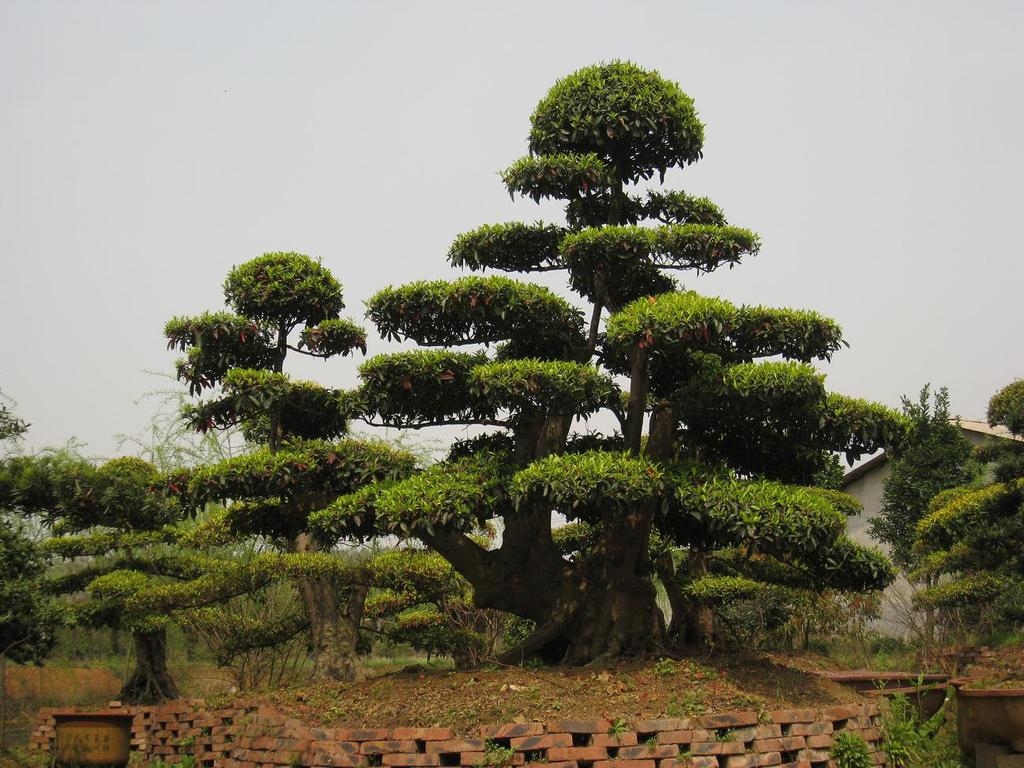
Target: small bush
909 743
851 751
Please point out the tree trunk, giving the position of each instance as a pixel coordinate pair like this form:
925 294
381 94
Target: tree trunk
606 605
700 621
676 631
150 682
3 700
334 628
333 622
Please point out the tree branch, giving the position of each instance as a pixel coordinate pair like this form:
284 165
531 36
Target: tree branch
436 423
465 555
307 352
595 327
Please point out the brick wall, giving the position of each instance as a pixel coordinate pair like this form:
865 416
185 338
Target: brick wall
244 736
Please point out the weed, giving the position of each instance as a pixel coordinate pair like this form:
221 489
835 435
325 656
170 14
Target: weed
908 743
672 709
618 726
24 758
691 705
496 755
725 734
849 750
651 743
665 667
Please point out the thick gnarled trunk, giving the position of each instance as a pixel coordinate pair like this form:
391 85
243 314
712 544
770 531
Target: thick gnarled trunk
150 682
605 605
334 620
334 628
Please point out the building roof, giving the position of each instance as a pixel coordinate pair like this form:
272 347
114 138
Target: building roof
968 425
982 427
875 462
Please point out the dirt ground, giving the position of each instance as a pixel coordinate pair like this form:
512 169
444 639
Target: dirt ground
422 696
628 690
1002 668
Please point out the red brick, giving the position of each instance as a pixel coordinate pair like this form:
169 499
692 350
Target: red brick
454 745
479 758
343 761
843 712
821 741
717 748
336 747
616 763
810 729
695 761
510 730
653 726
768 759
644 752
729 720
738 761
860 721
786 716
531 743
625 739
675 737
362 734
768 731
579 726
870 734
388 746
814 755
797 764
590 754
563 764
782 744
746 733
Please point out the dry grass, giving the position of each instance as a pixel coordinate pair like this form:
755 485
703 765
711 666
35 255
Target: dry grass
29 688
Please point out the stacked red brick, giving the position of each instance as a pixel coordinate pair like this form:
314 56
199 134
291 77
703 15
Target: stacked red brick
246 737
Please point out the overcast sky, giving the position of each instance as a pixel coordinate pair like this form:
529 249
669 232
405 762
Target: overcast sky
146 147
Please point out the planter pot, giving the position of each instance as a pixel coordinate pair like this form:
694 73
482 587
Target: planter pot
928 698
93 738
866 680
988 715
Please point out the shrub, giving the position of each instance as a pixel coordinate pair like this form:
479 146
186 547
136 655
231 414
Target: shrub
849 750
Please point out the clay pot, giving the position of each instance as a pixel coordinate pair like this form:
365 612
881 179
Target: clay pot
988 715
866 680
93 738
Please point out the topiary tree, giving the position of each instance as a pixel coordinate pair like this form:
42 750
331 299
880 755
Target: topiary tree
711 443
281 304
972 533
113 531
421 600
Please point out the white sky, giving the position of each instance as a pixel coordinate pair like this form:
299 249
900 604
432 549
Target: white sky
146 147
